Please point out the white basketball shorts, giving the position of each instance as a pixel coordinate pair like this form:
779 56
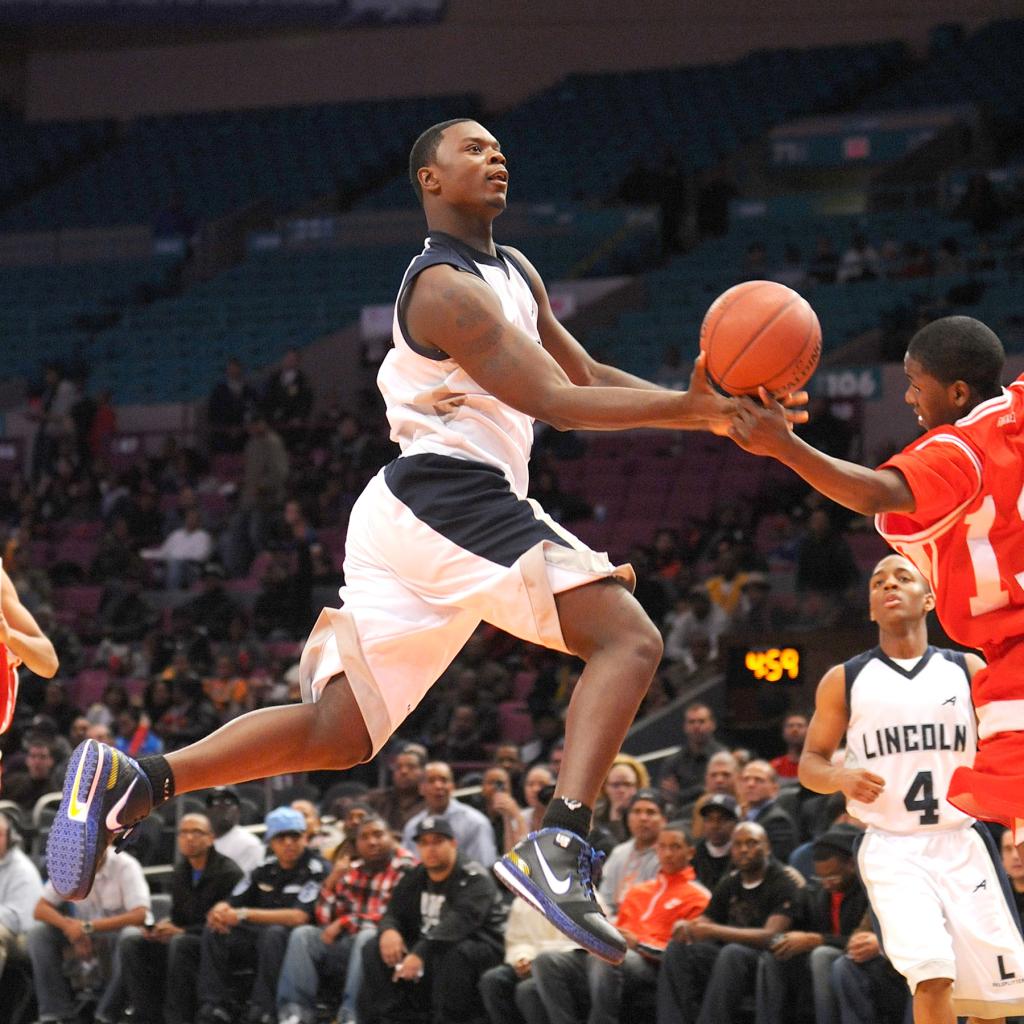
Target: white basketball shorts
944 913
436 545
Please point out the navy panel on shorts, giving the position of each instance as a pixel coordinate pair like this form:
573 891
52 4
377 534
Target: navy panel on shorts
471 504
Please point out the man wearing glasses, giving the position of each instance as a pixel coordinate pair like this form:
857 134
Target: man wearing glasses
170 947
251 928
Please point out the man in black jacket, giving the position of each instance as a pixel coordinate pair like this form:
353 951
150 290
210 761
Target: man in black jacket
830 909
441 931
170 947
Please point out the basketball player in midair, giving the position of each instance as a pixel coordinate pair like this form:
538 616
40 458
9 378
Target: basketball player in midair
443 538
953 502
22 642
929 869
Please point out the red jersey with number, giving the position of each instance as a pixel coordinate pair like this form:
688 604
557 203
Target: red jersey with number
966 534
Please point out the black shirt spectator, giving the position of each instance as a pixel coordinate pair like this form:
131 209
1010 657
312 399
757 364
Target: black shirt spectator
230 406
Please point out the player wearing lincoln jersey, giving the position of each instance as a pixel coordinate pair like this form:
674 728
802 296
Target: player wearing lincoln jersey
953 503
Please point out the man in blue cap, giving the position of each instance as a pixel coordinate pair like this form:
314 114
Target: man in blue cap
251 927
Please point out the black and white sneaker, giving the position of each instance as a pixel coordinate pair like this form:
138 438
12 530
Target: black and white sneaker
552 870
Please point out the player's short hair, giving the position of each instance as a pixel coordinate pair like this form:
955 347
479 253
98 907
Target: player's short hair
424 151
960 348
682 827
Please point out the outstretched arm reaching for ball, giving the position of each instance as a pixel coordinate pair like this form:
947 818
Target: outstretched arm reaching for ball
763 429
824 734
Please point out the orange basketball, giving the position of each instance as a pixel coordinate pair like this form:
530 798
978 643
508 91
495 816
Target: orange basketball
760 333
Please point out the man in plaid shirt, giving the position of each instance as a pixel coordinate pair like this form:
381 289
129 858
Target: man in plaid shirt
350 906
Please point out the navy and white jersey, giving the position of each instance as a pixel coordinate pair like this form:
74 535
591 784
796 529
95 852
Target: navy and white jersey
433 405
913 727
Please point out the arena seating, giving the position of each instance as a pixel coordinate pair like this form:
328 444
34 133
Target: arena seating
221 161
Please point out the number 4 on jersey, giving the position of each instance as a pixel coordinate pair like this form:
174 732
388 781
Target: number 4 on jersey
925 802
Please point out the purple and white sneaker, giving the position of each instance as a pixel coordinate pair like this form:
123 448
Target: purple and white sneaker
552 870
105 794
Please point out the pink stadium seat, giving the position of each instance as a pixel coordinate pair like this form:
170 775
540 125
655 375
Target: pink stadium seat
89 685
514 722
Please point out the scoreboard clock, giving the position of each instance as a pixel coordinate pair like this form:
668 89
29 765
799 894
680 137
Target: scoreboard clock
763 665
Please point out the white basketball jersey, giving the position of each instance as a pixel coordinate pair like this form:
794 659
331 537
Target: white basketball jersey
433 405
913 728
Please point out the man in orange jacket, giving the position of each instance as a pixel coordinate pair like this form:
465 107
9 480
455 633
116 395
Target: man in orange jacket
648 915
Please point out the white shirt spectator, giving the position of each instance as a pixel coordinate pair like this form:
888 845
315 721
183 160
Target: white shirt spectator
120 886
20 889
182 545
242 847
472 831
528 934
683 625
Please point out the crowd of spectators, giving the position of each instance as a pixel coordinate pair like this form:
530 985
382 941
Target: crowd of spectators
734 886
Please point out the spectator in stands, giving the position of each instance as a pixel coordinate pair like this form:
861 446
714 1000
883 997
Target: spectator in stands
253 927
461 742
831 908
825 263
980 204
792 272
190 717
348 911
682 775
794 731
79 731
509 991
20 890
866 986
1014 868
226 690
560 505
117 555
713 204
230 406
37 779
57 704
66 643
398 802
321 837
711 963
124 614
648 914
134 733
694 614
759 788
52 410
159 964
712 857
213 608
442 930
87 934
860 261
112 702
757 613
497 804
264 475
635 860
470 827
142 512
283 608
223 808
725 584
184 550
825 563
625 778
722 776
507 756
103 426
288 401
537 791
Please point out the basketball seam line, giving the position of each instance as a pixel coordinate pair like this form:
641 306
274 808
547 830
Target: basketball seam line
803 348
714 328
757 334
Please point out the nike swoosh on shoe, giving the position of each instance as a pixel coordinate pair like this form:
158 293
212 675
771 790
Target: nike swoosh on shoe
559 886
114 823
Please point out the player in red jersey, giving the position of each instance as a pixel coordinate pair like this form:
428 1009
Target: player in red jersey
21 643
953 503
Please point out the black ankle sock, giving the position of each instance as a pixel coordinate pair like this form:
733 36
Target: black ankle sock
569 814
161 777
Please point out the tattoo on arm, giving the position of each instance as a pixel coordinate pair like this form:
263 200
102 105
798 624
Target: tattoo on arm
471 313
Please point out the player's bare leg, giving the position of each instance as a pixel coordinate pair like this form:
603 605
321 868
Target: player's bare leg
933 1002
604 625
329 734
106 792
